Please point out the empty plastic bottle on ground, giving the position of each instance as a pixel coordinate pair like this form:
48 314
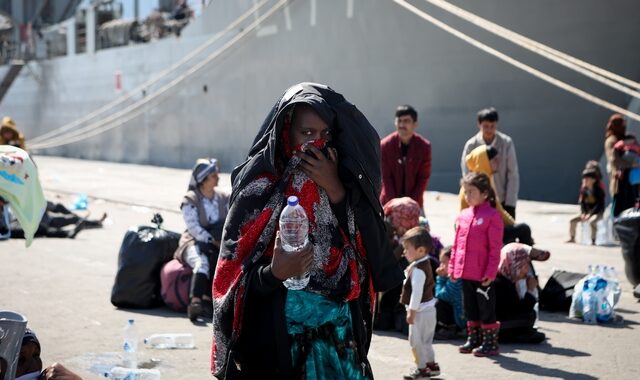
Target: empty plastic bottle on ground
130 345
294 228
120 373
168 341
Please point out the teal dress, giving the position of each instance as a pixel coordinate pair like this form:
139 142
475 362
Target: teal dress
321 336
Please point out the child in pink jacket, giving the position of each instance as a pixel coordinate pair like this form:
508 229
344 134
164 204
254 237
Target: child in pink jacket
474 260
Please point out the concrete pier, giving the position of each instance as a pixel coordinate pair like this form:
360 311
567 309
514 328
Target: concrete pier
63 287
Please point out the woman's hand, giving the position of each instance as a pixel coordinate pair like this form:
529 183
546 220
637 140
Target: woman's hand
290 264
532 283
323 171
57 371
486 281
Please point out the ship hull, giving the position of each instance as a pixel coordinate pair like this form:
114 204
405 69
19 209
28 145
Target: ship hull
376 53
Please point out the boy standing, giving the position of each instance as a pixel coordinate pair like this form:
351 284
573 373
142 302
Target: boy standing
417 295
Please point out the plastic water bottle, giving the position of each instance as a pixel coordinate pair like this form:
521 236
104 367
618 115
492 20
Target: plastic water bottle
604 313
168 341
589 302
130 345
81 202
294 228
615 290
120 373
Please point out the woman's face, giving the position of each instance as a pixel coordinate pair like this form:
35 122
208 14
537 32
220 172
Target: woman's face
307 126
210 182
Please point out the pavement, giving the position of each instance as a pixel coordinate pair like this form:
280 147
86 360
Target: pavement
63 287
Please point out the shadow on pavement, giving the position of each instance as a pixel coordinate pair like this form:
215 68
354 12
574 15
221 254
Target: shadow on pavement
619 323
542 347
515 365
160 311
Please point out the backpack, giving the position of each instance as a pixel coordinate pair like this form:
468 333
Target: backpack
175 281
558 291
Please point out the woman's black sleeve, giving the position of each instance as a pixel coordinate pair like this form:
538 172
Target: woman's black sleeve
262 280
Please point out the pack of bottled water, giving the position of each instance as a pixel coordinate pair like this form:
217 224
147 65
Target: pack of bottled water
596 295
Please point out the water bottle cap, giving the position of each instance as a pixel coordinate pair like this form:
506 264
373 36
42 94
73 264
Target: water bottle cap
292 201
131 321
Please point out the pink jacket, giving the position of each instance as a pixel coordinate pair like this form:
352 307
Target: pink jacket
476 249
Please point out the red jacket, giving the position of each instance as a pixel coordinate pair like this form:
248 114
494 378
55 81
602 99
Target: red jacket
416 169
476 250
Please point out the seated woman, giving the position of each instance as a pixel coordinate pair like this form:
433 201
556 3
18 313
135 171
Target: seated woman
204 209
400 214
516 288
483 159
317 146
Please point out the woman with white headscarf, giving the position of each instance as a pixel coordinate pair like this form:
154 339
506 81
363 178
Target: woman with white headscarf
204 209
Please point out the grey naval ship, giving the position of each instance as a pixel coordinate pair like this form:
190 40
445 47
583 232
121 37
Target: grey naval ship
82 80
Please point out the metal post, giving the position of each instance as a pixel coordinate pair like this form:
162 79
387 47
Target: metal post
91 29
71 36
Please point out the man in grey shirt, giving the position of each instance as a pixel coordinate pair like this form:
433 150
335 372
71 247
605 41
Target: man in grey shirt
505 176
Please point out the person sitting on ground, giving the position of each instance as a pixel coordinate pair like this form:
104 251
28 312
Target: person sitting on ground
484 159
10 135
204 209
58 222
30 364
400 215
449 310
319 147
417 296
591 201
517 293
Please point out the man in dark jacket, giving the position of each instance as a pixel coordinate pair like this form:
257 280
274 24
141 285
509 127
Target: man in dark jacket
406 159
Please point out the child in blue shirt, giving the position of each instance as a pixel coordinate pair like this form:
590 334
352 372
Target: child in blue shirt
449 310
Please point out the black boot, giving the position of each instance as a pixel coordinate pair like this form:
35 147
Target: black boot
473 337
199 284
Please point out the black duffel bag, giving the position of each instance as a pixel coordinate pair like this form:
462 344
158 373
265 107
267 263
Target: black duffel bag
143 253
557 292
627 226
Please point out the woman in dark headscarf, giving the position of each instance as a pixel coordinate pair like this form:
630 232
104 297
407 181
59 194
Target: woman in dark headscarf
317 146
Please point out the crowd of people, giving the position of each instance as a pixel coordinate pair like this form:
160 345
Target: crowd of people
368 225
